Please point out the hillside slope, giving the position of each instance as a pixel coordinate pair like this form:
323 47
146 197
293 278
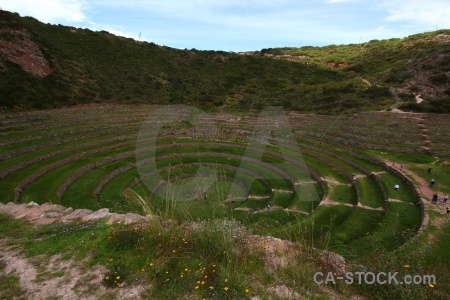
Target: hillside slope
44 66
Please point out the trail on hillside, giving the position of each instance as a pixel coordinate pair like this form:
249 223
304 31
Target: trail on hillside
427 192
423 186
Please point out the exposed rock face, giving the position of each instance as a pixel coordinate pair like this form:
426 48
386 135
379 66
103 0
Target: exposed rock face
51 213
17 46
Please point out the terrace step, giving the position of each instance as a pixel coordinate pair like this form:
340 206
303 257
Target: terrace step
370 208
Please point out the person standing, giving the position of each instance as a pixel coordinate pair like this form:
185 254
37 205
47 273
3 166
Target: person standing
435 199
429 170
432 183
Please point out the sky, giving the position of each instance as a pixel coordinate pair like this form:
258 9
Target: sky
243 25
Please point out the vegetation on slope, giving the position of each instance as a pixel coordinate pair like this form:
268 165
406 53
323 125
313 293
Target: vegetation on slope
81 66
418 64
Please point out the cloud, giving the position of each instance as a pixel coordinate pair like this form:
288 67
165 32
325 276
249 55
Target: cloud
49 11
418 12
206 24
120 31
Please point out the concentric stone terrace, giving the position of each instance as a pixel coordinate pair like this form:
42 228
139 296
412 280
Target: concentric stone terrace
286 174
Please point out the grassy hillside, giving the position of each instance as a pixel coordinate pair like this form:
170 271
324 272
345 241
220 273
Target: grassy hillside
418 64
81 66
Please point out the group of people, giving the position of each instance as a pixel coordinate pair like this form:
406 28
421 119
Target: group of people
436 199
269 206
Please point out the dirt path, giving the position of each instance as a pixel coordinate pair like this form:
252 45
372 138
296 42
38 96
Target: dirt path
305 182
423 188
370 208
333 181
38 279
366 81
360 176
296 210
328 201
257 197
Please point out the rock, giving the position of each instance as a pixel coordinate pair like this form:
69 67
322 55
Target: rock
45 221
52 214
333 261
48 213
20 49
285 292
97 215
77 214
68 211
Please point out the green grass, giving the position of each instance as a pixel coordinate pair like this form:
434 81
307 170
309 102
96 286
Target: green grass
10 226
439 251
324 170
360 223
404 193
399 224
344 194
401 158
52 139
26 156
169 261
440 173
314 227
307 197
356 232
370 193
10 287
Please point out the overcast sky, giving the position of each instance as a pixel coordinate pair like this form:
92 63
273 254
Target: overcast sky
243 25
